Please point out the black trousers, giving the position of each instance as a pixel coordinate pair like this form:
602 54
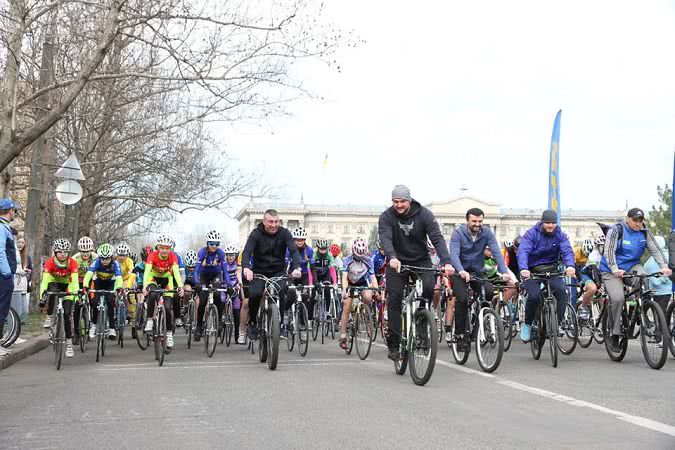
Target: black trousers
256 290
395 284
206 279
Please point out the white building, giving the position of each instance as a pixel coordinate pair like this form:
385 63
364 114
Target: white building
343 223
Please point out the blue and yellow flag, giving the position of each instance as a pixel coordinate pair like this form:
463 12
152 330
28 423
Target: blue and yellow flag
553 169
672 202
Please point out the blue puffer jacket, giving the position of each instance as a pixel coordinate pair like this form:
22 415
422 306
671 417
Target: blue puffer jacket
537 249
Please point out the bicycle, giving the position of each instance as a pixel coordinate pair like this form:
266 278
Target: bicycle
323 320
11 329
226 328
142 338
83 324
419 342
298 322
268 322
57 331
545 323
101 321
190 322
120 317
484 327
505 312
652 327
590 328
158 333
670 321
211 322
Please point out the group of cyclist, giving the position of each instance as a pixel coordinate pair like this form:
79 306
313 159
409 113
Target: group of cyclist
409 236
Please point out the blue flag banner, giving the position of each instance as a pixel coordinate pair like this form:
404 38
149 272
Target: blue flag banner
553 169
672 187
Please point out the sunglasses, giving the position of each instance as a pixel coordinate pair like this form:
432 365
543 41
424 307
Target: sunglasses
213 244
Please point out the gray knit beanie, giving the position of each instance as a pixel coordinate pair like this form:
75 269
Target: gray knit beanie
402 192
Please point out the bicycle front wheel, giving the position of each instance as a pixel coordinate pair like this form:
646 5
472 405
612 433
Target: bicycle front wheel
273 334
489 340
121 322
460 357
537 334
302 328
11 329
670 321
142 338
364 332
585 330
211 330
59 339
228 324
552 331
100 331
653 334
570 331
423 348
504 313
189 326
160 337
318 320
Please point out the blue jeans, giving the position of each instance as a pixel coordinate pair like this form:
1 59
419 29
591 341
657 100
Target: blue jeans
6 289
533 288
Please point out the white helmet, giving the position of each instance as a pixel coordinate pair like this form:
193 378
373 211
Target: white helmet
600 240
122 249
587 247
165 240
508 243
360 247
61 245
299 233
213 236
191 258
231 248
85 244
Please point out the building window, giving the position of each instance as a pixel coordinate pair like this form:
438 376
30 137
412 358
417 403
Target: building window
580 232
360 229
330 228
315 229
345 229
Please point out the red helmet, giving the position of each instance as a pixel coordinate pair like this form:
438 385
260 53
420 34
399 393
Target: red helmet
334 250
360 247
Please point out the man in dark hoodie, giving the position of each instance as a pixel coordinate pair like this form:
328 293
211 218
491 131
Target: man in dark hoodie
268 243
403 230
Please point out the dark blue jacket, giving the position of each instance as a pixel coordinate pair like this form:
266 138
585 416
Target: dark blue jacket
537 249
210 263
467 254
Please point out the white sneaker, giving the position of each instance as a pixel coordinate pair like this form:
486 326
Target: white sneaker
241 339
48 322
92 330
179 322
148 325
112 333
169 339
69 348
3 351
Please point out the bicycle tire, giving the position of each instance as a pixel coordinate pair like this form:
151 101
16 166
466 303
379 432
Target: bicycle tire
424 338
290 333
657 335
623 339
504 313
493 333
142 339
59 340
585 330
228 325
401 364
364 331
302 329
670 321
81 331
318 320
351 333
100 338
211 330
552 327
161 334
459 357
597 325
537 334
121 321
189 326
262 335
570 324
274 327
375 320
11 329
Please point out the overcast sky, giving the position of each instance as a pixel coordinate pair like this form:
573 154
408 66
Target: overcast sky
444 94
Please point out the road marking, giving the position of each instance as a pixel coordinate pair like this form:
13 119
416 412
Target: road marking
212 362
228 365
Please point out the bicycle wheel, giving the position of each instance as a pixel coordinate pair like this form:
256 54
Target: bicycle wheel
375 320
104 329
228 325
364 331
318 319
653 334
568 341
613 354
670 321
59 339
504 313
11 329
585 330
351 333
142 338
460 357
160 338
552 331
263 324
537 334
121 321
290 331
189 326
489 340
274 332
302 328
100 331
211 330
597 313
424 347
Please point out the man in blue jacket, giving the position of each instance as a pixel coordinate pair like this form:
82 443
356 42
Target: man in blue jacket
540 250
467 256
7 258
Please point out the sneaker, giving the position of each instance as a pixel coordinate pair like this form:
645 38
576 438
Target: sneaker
169 339
252 333
449 337
112 334
198 333
343 342
69 348
148 326
525 333
584 313
463 344
241 339
48 322
393 354
179 322
614 343
92 331
561 331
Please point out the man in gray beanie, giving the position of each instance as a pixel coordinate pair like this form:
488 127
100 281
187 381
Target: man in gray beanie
403 230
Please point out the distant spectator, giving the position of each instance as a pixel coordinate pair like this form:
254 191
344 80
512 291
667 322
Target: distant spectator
7 259
21 280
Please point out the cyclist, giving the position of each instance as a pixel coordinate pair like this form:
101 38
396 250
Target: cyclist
467 251
324 268
123 253
208 272
306 267
379 263
358 272
190 283
403 230
267 244
590 277
84 258
511 259
161 269
59 274
232 277
108 278
540 249
624 245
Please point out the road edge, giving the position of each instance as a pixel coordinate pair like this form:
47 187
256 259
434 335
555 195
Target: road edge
24 350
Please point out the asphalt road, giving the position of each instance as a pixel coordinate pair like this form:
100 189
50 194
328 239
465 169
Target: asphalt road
331 399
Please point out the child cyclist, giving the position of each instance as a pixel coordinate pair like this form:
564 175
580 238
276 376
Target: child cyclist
232 278
108 277
358 272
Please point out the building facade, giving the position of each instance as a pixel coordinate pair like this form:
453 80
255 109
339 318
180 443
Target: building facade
343 223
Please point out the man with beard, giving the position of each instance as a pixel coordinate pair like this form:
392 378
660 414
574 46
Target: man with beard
403 230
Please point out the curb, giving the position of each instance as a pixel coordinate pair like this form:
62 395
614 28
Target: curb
24 350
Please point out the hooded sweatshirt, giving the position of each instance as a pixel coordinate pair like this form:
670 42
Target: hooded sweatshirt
269 250
661 285
405 236
538 248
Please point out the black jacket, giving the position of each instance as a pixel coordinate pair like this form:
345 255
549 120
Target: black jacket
269 251
405 237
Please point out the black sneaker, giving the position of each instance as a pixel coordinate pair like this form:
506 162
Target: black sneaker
393 354
614 343
198 334
463 344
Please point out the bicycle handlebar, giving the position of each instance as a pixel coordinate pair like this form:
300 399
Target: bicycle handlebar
418 269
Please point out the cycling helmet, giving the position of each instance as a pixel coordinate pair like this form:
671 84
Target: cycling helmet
122 249
165 240
322 243
85 244
231 248
104 251
334 250
587 241
145 252
133 257
587 247
191 258
600 240
299 233
61 245
213 236
508 243
360 247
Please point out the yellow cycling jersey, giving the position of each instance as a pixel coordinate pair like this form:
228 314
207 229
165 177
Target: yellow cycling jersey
127 267
579 258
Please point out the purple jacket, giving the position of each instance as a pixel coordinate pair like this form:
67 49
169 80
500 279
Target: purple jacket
537 249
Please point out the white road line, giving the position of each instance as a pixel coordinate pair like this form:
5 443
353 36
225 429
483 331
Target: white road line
224 366
212 362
